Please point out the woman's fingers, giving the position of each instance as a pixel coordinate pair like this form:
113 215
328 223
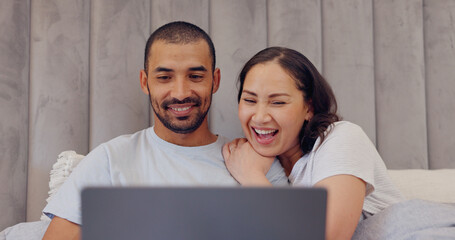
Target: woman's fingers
241 141
232 147
234 144
226 151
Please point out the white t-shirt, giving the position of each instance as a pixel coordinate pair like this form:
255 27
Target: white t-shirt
348 150
144 159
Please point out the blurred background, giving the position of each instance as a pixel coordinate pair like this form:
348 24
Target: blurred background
69 75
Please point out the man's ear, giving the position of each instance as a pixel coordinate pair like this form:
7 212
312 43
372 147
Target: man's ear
143 79
216 80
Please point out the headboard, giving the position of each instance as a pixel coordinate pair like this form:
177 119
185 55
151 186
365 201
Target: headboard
69 75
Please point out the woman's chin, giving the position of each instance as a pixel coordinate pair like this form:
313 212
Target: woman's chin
263 151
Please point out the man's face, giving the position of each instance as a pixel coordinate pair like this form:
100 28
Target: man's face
181 82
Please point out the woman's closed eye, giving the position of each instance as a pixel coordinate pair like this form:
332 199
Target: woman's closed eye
278 103
249 100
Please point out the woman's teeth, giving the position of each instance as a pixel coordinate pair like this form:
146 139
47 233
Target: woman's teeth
264 132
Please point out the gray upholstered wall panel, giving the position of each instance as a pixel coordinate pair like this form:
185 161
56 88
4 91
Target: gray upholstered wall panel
194 11
412 90
439 28
14 52
400 83
119 30
348 59
239 30
59 80
297 25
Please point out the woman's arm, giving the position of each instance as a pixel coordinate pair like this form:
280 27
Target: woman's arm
346 194
245 165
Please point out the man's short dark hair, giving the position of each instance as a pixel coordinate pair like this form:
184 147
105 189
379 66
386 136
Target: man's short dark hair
179 33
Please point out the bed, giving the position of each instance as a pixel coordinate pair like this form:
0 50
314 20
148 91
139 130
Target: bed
431 191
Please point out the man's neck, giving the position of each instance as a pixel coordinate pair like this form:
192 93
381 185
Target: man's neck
200 137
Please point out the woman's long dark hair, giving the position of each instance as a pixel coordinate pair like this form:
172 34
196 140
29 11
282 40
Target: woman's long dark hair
317 93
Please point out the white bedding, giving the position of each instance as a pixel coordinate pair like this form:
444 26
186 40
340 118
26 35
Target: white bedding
25 231
410 220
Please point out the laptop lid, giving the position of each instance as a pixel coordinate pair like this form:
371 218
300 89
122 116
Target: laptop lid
203 213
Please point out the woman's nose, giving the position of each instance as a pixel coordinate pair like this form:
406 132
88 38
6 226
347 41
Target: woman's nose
261 114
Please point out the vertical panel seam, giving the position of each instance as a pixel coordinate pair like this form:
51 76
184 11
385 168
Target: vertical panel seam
89 86
209 16
375 75
28 106
267 23
322 35
425 84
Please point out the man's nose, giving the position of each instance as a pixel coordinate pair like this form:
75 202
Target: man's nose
181 89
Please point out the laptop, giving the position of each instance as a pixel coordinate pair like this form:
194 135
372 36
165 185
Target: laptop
203 213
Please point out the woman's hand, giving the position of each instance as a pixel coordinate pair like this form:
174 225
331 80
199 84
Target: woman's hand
246 165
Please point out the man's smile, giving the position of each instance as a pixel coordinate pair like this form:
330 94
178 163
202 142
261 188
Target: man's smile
181 109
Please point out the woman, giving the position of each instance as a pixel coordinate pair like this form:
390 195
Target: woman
287 110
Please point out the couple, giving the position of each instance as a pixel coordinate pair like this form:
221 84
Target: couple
287 112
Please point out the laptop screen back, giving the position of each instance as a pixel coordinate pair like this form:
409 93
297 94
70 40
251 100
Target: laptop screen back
203 213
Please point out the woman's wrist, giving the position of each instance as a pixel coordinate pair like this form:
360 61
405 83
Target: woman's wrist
255 180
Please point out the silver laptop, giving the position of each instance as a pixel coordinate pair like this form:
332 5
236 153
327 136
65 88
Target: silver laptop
203 213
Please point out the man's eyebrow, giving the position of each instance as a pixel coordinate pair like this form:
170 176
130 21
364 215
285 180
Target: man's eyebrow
162 69
200 68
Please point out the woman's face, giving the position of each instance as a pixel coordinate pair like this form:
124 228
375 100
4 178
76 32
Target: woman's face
272 110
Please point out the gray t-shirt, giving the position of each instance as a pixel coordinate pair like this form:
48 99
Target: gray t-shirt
348 150
144 159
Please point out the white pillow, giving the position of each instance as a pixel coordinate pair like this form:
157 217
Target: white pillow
433 185
65 164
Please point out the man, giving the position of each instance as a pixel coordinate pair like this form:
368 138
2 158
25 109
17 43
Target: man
180 77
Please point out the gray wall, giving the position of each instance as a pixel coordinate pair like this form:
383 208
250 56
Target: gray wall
14 98
69 75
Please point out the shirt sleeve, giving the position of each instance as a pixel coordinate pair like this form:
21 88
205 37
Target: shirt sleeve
93 170
346 150
276 175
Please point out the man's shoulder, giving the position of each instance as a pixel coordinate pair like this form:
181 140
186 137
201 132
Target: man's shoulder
127 139
222 139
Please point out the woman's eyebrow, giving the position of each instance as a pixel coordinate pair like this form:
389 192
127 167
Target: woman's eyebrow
279 95
270 96
249 92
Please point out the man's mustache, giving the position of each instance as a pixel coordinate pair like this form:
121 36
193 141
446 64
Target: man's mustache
195 100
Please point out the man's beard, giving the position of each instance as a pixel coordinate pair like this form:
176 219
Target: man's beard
178 128
188 128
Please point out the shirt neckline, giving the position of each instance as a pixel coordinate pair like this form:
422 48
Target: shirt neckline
156 139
